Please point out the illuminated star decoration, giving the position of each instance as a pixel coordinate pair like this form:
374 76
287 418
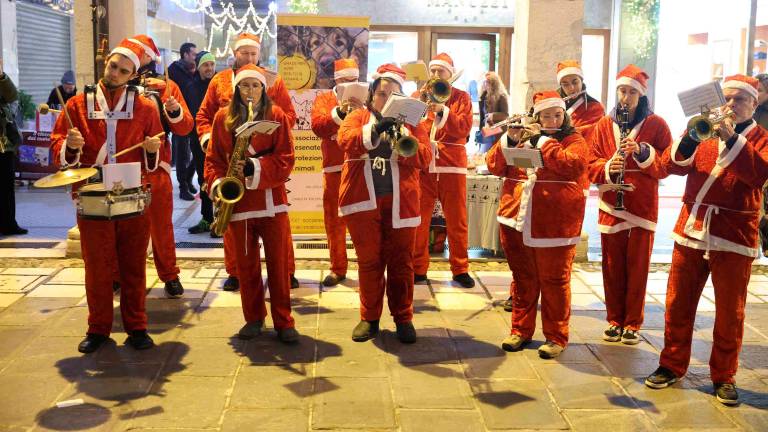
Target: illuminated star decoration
643 22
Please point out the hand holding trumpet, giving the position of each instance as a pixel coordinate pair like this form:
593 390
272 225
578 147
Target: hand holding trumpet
350 105
725 129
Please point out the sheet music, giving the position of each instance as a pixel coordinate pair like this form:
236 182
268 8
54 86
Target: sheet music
416 71
706 96
408 109
265 127
347 91
523 157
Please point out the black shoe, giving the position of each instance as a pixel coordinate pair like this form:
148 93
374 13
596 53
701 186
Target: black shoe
465 280
214 235
91 343
661 378
417 278
406 332
201 227
186 196
365 330
288 335
726 393
250 330
140 340
294 282
333 279
508 304
192 189
17 230
231 284
115 287
174 289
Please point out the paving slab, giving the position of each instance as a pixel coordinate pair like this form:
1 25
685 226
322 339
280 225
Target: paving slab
266 420
352 403
446 383
516 404
440 420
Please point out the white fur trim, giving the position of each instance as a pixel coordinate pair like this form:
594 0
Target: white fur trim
146 160
204 140
632 83
443 118
570 71
335 116
147 49
673 152
245 42
129 54
443 63
740 85
248 73
176 119
252 182
632 219
63 156
391 75
333 169
347 73
649 161
367 142
548 103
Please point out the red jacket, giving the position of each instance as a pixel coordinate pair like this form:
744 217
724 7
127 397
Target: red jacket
357 193
98 145
325 124
546 204
584 116
723 192
642 204
181 125
220 93
449 136
265 193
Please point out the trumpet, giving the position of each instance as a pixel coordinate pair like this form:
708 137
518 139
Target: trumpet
231 189
702 127
404 145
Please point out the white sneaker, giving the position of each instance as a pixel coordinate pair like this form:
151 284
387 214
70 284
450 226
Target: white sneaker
550 350
612 333
630 337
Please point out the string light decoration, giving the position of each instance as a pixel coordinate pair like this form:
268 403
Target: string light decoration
303 6
228 24
642 20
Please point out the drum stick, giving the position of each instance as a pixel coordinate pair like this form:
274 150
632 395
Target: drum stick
134 147
63 106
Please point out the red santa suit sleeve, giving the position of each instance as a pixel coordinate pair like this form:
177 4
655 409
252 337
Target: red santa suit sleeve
325 124
451 129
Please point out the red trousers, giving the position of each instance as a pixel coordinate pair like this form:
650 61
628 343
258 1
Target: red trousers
539 270
451 190
230 257
101 242
246 234
687 276
626 260
161 225
380 247
335 228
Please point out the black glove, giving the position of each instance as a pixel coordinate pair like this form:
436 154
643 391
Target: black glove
340 113
248 168
385 124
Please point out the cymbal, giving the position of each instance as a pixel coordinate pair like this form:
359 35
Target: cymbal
65 177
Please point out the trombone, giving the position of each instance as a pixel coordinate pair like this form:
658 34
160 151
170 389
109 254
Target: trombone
702 127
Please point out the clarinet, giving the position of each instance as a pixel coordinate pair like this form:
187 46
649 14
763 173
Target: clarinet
622 115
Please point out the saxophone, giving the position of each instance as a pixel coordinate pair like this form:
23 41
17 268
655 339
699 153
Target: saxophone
231 189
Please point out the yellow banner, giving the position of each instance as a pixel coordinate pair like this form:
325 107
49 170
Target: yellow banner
323 20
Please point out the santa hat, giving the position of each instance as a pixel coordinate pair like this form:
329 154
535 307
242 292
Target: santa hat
391 71
634 77
741 82
569 67
148 45
131 50
251 71
443 60
345 68
547 99
246 39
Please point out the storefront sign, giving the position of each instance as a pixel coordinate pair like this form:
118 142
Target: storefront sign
469 4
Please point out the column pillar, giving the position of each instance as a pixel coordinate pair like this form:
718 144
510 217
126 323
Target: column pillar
546 31
126 18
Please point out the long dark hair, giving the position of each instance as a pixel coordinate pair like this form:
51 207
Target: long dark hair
237 110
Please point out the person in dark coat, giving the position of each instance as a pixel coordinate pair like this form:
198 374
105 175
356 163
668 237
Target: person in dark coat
9 143
67 89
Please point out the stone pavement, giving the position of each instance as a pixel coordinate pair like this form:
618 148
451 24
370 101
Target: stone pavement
455 378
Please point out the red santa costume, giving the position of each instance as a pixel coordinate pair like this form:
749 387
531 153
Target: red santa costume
262 213
326 119
541 213
382 225
446 177
715 234
585 111
218 95
161 207
627 235
111 120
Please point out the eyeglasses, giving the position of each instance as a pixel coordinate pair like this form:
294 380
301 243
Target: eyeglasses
247 88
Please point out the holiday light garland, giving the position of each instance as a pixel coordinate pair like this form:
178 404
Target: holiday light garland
642 19
228 23
303 6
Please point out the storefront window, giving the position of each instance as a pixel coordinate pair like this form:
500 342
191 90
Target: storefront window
593 58
389 47
472 54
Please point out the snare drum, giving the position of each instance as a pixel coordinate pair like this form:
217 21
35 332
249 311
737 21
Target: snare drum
94 202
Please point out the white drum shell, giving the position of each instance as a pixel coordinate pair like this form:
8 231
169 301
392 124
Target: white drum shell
93 202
